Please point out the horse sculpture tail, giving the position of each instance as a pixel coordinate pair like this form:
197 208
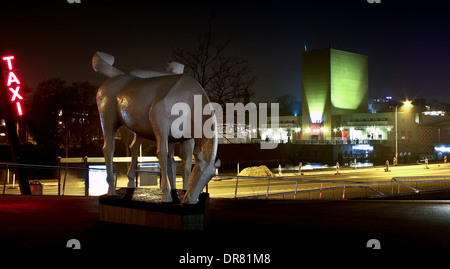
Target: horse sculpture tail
103 62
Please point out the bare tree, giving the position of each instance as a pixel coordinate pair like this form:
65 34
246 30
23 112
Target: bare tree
63 117
226 79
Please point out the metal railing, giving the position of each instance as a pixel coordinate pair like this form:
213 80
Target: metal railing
75 180
60 180
328 193
345 189
418 184
314 189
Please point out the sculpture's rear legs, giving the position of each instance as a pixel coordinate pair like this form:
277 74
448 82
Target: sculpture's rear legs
134 148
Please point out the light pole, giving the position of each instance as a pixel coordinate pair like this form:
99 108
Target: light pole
406 104
396 134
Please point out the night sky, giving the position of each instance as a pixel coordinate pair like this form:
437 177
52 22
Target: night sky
407 42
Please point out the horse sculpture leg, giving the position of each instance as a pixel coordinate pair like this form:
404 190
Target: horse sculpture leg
171 166
162 153
134 149
187 149
109 133
172 171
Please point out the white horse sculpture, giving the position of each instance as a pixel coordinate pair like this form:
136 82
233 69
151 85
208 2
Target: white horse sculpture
142 102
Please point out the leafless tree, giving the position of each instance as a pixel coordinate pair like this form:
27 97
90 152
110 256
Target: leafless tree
226 79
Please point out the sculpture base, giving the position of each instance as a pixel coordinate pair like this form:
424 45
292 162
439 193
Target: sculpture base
139 206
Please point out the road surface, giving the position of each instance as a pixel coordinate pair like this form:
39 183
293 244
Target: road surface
363 176
225 186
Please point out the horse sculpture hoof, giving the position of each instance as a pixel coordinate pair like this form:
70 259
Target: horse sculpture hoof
166 197
131 184
112 191
188 200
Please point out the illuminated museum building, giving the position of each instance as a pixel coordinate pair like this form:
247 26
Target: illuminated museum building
336 110
335 84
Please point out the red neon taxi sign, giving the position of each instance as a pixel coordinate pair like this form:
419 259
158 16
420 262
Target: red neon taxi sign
13 84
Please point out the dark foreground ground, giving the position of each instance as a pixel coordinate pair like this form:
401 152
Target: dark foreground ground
287 230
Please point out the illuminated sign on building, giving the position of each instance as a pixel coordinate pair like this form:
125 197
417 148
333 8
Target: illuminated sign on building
434 113
13 84
362 147
442 149
315 128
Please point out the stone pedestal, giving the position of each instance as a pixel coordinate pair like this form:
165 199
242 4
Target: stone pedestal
139 206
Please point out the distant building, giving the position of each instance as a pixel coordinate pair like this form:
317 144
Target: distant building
340 123
385 104
335 83
434 131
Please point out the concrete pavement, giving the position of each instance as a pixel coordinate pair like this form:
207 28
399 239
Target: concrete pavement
282 228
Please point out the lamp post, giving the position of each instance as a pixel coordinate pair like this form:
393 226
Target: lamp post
406 104
396 133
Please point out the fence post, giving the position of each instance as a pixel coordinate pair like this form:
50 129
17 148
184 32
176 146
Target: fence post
295 193
235 189
64 182
7 174
279 170
343 192
7 179
268 184
237 180
320 195
86 180
59 175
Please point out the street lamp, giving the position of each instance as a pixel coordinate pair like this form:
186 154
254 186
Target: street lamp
407 104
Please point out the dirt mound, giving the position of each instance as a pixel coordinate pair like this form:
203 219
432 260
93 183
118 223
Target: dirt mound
256 171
